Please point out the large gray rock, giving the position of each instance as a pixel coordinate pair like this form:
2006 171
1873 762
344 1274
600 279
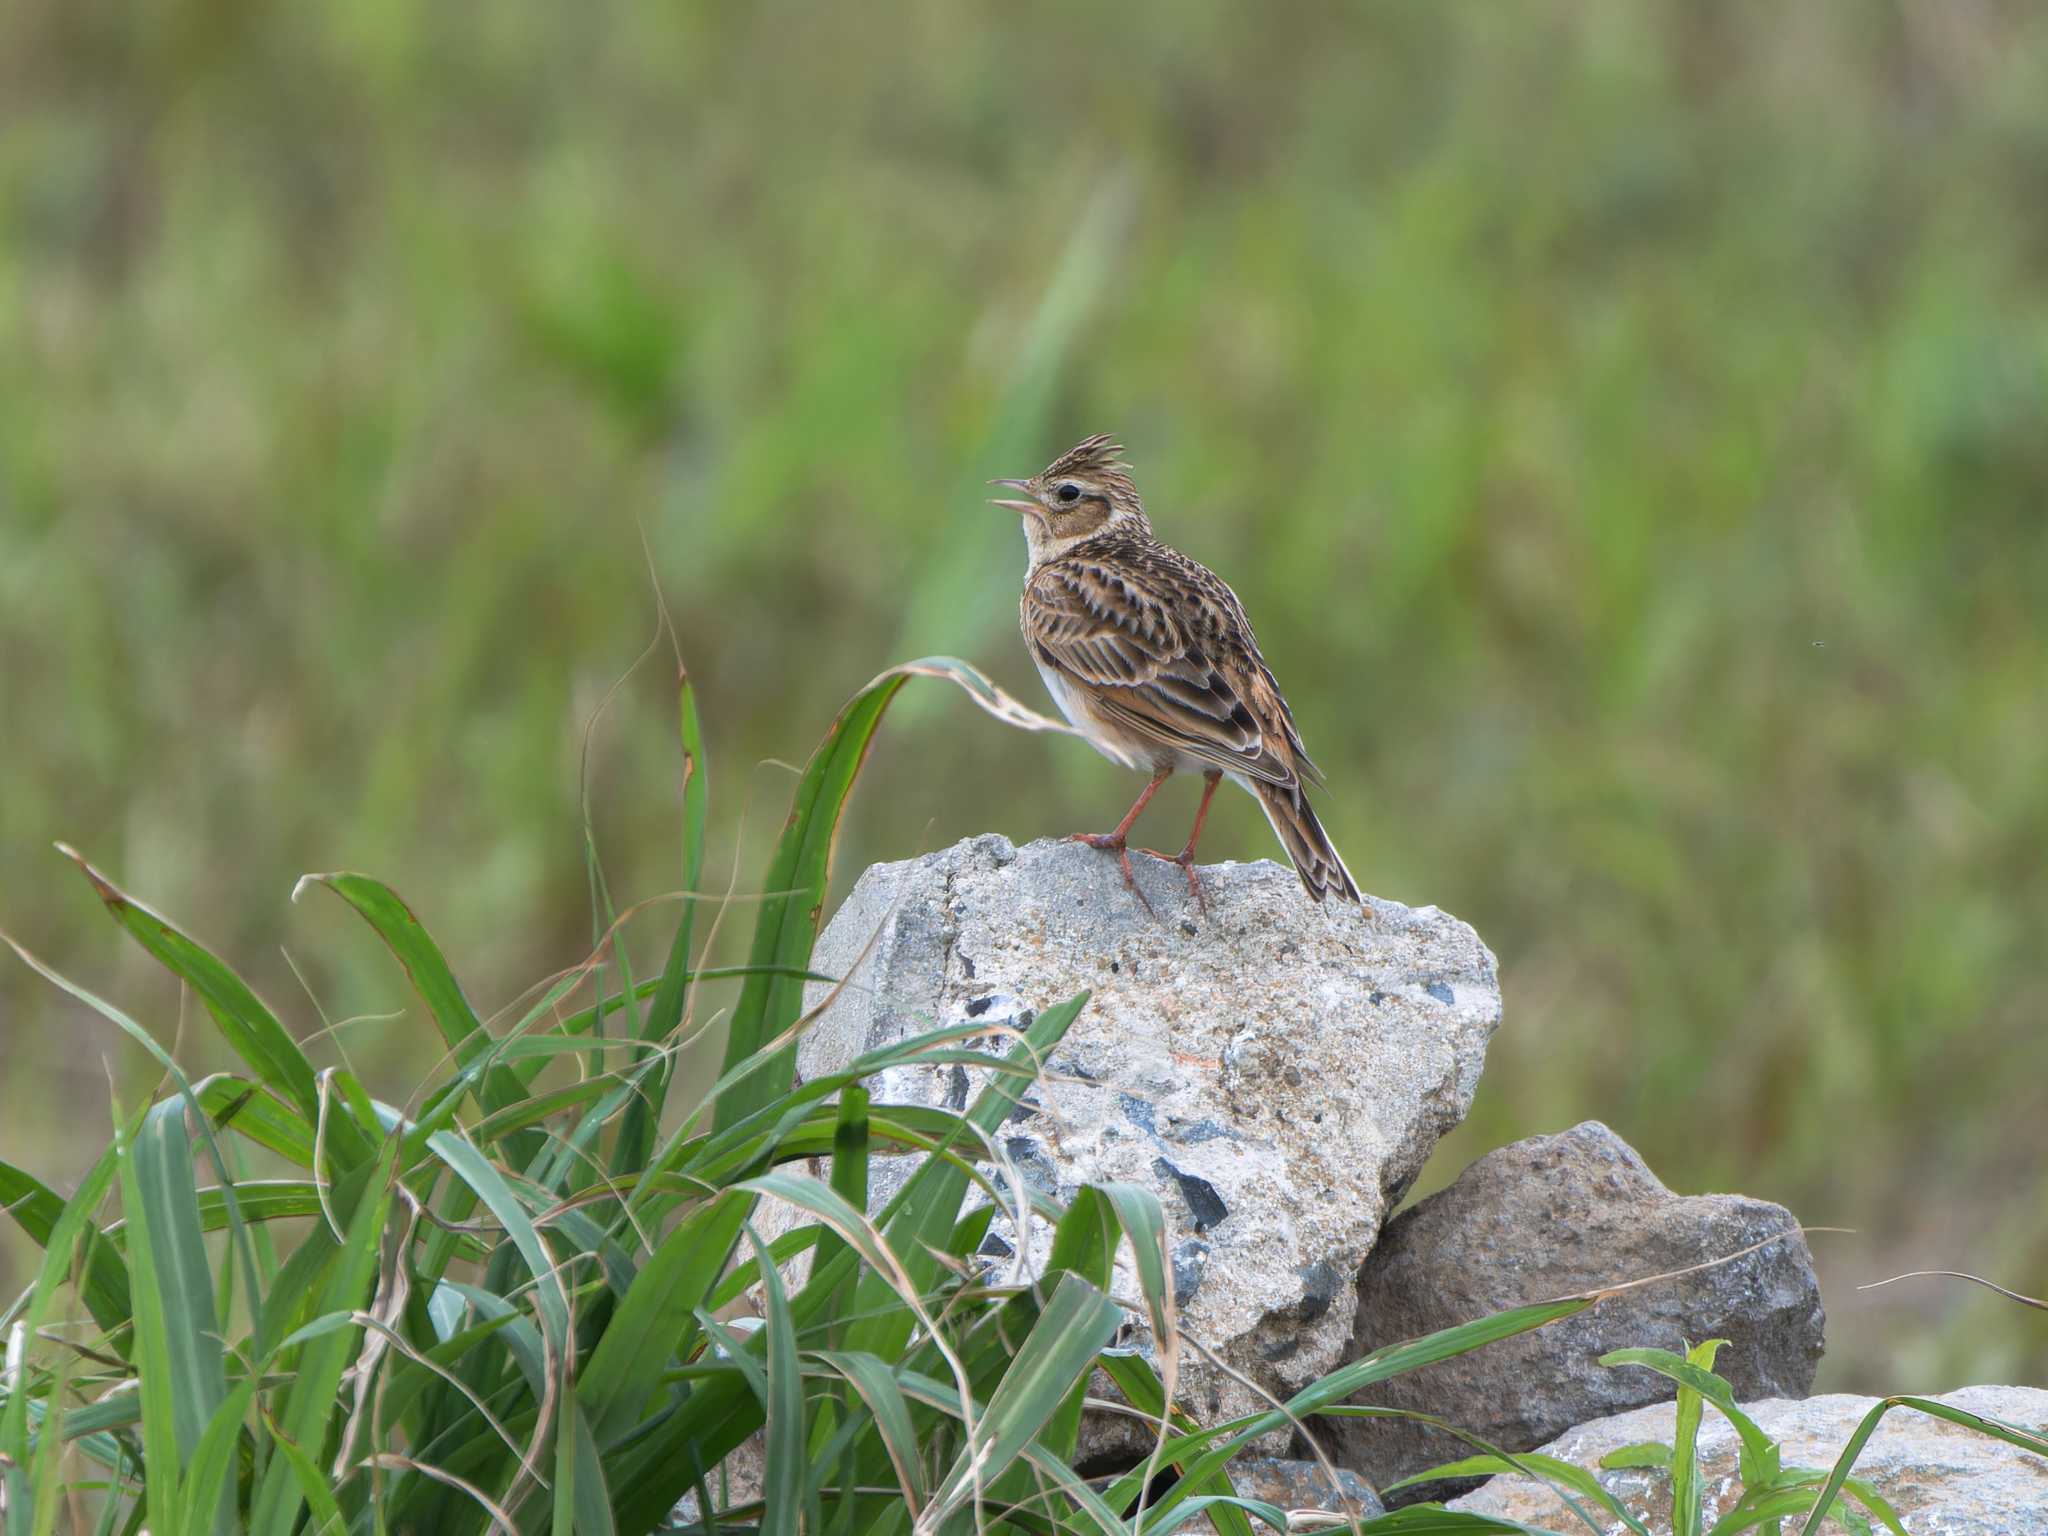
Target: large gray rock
1276 1070
1553 1216
1940 1477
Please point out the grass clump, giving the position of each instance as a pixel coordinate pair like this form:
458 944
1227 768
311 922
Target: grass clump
508 1305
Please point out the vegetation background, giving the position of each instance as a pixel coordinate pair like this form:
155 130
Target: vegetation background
1628 423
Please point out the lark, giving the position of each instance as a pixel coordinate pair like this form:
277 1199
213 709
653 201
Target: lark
1150 657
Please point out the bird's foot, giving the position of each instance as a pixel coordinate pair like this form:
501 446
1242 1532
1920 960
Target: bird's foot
1115 842
1186 860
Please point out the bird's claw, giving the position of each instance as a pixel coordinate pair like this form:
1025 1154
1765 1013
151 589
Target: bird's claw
1110 842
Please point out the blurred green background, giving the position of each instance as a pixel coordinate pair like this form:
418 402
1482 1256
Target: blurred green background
1627 423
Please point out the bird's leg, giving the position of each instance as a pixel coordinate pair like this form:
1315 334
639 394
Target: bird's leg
1119 840
1186 857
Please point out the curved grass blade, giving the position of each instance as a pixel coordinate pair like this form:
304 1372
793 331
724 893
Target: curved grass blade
1525 1463
142 1037
244 1020
1686 1493
44 1217
310 1403
477 1171
152 1353
1218 1443
208 1491
1142 1389
1997 1429
253 1111
164 1220
800 869
665 1015
654 1324
427 969
785 1458
1076 1324
876 1385
1759 1453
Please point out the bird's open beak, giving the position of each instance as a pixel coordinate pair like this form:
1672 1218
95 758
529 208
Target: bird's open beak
1027 508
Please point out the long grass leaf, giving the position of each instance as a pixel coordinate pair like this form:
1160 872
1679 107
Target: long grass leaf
1759 1454
1213 1447
787 924
1058 1352
665 1015
208 1487
310 1403
161 1453
477 1171
785 1458
654 1323
43 1215
244 1020
800 868
165 1203
1686 1493
877 1388
427 969
1996 1429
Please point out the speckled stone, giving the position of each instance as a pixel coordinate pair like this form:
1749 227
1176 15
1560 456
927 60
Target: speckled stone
1944 1480
1276 1070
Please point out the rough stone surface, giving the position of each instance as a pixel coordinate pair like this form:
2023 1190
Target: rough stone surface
1552 1216
1944 1480
1276 1070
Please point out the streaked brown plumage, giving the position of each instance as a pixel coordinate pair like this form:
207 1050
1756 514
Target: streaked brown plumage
1150 656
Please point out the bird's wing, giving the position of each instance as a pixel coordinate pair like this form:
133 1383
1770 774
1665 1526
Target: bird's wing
1158 650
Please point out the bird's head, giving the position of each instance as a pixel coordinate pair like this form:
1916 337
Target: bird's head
1085 491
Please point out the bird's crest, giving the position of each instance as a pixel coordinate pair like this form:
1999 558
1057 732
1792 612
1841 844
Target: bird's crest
1097 459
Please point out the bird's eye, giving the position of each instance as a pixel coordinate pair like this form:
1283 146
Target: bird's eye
1069 492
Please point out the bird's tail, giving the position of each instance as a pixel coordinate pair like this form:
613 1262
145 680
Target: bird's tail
1294 821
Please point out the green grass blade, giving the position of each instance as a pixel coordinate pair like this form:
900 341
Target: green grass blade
244 1020
654 1324
1059 1351
877 1388
665 1015
851 1133
785 1457
44 1217
427 969
163 1458
799 870
208 1489
253 1111
1643 1454
590 1502
477 1171
795 883
1218 1443
1529 1464
166 1205
1996 1429
1143 1390
310 1404
312 1487
1686 1514
1759 1455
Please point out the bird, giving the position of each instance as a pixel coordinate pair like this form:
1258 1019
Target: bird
1150 657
